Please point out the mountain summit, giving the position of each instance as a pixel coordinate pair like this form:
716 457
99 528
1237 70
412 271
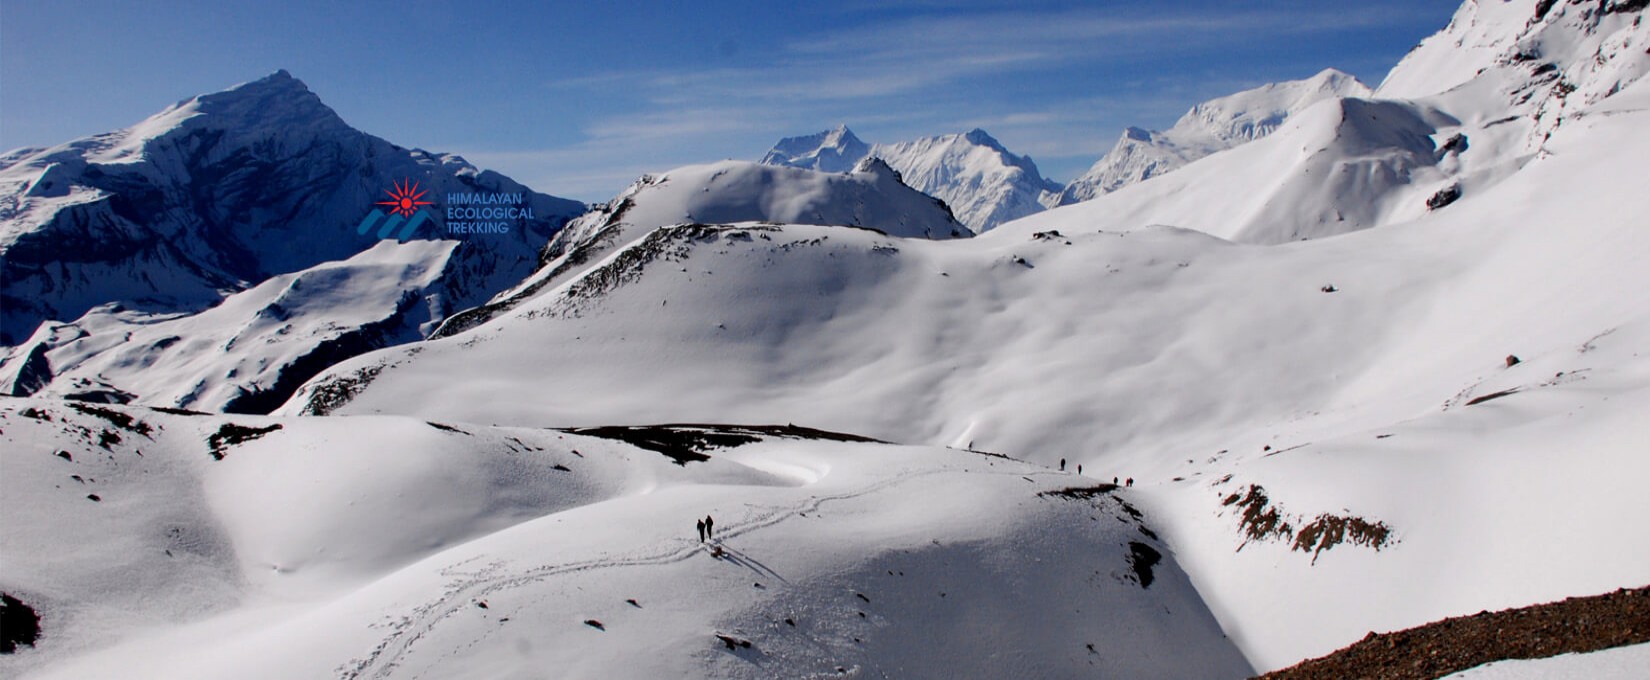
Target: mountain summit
209 257
1212 126
834 150
218 193
982 181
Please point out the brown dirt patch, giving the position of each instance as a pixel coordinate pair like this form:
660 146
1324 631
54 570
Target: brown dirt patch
1437 649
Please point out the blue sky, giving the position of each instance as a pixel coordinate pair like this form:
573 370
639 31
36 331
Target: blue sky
578 98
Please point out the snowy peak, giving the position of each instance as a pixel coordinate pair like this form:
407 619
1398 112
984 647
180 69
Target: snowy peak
1336 167
218 193
980 137
983 183
877 167
834 150
871 196
277 107
275 97
1209 127
1478 35
274 100
1252 114
1544 58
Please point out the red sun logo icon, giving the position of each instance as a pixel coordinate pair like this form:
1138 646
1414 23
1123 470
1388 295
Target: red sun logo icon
404 200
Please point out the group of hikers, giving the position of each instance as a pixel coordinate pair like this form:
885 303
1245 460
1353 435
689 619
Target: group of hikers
707 526
1130 481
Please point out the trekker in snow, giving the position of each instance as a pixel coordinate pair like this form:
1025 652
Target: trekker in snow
1062 465
1130 482
701 531
709 532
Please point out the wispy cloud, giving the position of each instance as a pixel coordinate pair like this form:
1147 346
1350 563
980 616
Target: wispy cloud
907 76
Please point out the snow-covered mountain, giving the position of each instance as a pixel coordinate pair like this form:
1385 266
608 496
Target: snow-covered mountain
984 183
869 195
1430 407
1339 166
1333 429
1214 125
248 353
1422 142
216 194
834 150
119 250
1527 67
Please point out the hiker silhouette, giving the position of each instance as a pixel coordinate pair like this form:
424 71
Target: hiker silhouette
709 532
1062 465
701 531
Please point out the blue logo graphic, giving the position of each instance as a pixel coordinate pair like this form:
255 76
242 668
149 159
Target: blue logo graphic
406 212
395 220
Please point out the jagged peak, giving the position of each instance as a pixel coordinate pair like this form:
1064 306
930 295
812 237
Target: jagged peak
279 89
877 166
838 135
277 101
982 138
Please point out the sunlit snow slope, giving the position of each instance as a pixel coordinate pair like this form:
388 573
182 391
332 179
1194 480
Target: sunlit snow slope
391 547
1333 427
1212 126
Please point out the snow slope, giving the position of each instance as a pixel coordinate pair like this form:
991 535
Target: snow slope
249 352
870 196
1340 166
1209 127
1335 374
216 194
982 182
392 547
1346 164
1432 406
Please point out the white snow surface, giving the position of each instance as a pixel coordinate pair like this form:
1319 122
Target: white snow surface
1620 663
984 183
1194 364
226 357
363 547
1209 127
870 196
1416 316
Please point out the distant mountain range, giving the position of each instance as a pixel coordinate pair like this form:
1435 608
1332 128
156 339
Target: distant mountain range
987 185
984 184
